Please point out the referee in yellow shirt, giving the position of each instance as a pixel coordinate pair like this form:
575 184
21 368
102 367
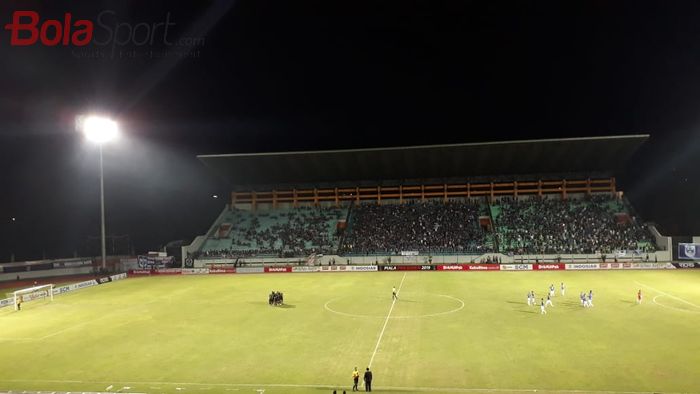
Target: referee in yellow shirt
355 379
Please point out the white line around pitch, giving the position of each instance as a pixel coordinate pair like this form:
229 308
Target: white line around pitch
332 386
388 315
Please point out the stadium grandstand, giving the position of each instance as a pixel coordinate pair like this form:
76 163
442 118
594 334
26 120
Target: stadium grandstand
501 201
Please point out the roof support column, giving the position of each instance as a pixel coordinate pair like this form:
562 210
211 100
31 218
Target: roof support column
563 189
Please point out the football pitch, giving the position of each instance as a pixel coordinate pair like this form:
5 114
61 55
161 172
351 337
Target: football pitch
448 332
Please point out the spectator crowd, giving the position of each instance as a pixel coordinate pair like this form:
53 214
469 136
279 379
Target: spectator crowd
555 226
433 226
295 232
522 226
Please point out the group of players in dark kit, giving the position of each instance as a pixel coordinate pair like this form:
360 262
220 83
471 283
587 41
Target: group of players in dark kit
276 298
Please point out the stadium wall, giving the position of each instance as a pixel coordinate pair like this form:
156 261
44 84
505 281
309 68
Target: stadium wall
659 256
44 273
628 265
663 243
199 240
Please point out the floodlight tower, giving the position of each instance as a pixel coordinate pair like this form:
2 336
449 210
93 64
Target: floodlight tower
100 130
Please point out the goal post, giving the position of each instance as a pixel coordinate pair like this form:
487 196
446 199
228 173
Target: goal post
32 293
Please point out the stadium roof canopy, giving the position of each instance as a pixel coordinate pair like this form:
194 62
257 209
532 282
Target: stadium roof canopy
590 155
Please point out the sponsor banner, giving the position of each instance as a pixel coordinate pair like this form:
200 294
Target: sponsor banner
610 266
72 263
210 262
155 261
87 283
139 272
483 267
74 286
250 270
427 268
688 251
469 267
656 266
400 267
7 302
278 269
222 270
409 253
35 296
516 267
62 289
583 266
549 267
195 271
305 269
167 271
452 267
686 264
334 268
362 268
645 266
118 277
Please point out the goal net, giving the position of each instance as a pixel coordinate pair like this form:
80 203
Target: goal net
32 293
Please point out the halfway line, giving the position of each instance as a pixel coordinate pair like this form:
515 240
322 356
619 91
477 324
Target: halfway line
388 315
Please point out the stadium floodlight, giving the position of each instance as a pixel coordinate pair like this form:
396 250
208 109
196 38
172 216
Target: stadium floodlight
100 130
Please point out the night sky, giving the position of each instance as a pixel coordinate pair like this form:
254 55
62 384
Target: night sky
258 76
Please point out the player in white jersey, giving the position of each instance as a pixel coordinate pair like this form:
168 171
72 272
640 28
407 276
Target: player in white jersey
563 288
549 301
582 296
590 298
551 290
543 310
393 294
529 298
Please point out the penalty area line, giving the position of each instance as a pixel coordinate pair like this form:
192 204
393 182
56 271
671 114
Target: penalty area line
668 295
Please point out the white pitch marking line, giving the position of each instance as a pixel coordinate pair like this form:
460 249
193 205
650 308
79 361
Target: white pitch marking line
282 385
668 295
671 307
388 315
461 302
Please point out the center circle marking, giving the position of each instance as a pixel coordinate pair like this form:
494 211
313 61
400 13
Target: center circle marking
457 309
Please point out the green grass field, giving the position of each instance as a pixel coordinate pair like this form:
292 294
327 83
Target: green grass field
449 332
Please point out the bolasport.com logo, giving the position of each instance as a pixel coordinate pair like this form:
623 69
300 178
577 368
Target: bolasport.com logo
105 36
